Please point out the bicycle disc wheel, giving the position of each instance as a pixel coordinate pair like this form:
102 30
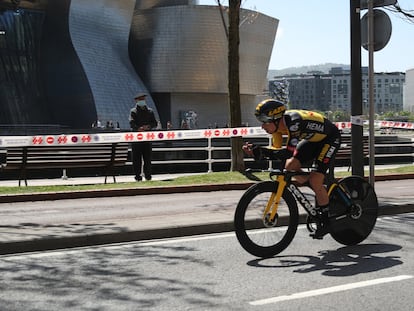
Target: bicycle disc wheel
360 218
256 234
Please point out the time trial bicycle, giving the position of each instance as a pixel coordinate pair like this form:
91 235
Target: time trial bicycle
267 217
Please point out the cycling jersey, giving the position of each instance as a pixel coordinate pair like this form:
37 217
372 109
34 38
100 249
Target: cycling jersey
310 136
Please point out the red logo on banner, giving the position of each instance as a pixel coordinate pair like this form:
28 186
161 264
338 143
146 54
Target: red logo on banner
170 134
37 140
50 140
161 135
62 139
150 136
86 139
140 136
235 131
216 132
226 132
129 136
207 133
244 131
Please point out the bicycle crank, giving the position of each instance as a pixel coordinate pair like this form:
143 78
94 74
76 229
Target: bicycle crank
311 224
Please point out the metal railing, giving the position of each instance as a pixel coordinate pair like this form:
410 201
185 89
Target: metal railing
209 150
203 147
387 151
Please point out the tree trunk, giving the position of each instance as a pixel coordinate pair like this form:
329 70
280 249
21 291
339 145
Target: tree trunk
237 159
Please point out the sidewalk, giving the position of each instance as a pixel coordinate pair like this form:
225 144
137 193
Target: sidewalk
90 180
27 234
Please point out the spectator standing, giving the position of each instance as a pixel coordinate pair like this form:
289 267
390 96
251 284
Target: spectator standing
141 118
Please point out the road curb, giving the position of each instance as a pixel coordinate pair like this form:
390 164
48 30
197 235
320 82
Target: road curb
120 192
45 244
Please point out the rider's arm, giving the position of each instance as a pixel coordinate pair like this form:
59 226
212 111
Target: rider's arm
269 153
274 152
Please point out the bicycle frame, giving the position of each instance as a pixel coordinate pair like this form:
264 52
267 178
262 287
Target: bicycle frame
283 180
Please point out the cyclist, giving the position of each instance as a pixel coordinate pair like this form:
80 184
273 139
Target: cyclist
310 137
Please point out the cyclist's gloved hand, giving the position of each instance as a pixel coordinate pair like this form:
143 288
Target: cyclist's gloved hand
253 150
248 149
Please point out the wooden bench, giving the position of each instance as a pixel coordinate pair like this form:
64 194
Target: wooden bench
106 155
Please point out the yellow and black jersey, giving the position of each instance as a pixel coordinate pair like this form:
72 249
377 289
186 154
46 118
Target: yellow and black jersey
303 124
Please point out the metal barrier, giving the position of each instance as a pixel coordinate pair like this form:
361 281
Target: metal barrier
391 149
387 151
209 150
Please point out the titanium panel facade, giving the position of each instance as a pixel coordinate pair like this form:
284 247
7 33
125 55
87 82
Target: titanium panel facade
99 31
181 53
92 57
184 49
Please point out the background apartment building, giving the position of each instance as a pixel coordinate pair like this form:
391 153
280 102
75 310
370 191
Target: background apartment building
409 91
332 92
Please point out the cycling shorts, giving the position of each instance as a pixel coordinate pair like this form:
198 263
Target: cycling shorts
322 152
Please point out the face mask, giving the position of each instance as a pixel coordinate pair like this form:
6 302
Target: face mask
141 103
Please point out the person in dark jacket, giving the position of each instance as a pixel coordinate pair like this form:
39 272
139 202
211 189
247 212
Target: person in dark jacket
141 118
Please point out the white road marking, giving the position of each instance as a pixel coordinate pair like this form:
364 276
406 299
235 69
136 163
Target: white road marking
329 290
121 245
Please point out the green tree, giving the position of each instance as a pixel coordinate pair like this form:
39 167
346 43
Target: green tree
340 116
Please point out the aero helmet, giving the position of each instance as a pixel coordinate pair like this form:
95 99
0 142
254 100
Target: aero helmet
269 110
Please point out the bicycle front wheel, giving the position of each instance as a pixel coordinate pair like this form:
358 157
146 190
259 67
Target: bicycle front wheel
256 233
360 218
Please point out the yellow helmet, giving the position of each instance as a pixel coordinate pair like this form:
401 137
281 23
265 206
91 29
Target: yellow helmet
269 110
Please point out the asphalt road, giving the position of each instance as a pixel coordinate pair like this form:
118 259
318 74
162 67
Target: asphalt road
41 225
212 272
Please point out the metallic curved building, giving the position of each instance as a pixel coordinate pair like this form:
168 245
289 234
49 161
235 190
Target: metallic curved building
93 56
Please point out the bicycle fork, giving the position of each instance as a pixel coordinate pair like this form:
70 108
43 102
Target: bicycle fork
270 212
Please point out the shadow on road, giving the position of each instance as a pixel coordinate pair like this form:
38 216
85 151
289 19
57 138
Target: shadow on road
344 261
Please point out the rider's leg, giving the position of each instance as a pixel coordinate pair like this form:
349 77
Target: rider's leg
316 181
294 164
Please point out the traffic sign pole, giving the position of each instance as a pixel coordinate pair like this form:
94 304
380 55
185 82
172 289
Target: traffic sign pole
371 43
357 154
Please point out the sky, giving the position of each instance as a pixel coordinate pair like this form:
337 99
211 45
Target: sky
313 32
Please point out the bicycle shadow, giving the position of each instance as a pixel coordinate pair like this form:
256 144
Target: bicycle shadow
345 261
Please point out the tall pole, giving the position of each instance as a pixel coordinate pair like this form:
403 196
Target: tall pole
371 91
357 155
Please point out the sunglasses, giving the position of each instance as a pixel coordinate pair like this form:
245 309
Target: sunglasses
264 119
